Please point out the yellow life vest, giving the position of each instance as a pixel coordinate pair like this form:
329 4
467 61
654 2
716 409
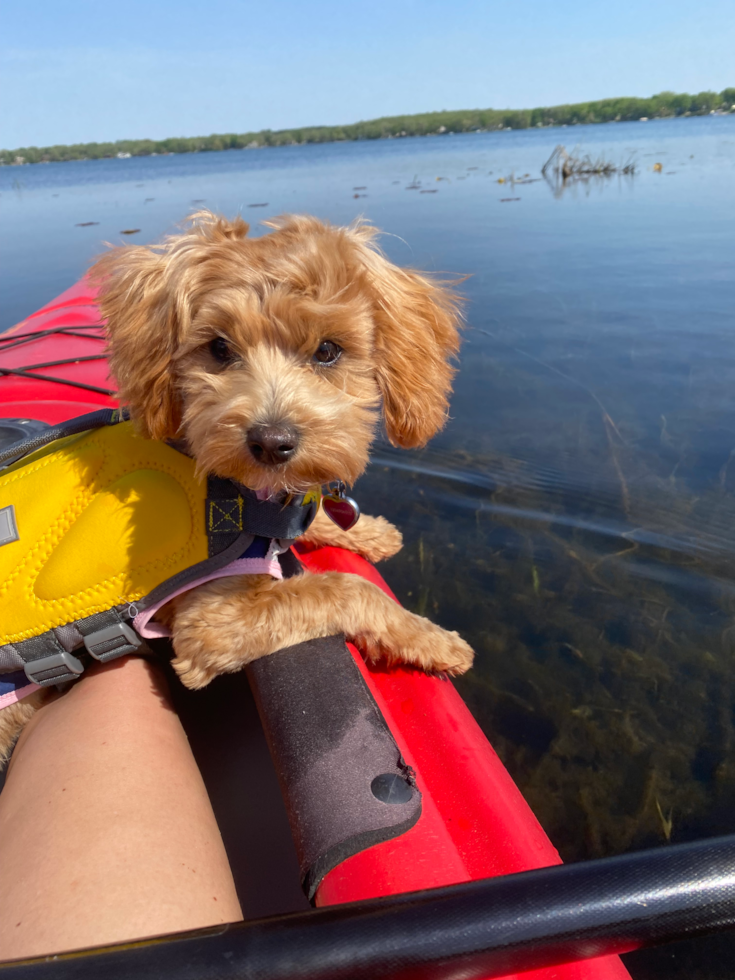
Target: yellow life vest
97 526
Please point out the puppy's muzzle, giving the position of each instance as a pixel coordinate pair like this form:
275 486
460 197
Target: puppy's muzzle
272 445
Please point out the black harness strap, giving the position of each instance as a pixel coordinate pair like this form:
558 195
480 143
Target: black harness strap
82 423
232 509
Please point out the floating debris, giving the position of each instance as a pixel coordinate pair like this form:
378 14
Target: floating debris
264 205
148 200
434 190
359 188
197 200
86 224
567 165
504 200
359 195
563 167
658 167
129 231
501 180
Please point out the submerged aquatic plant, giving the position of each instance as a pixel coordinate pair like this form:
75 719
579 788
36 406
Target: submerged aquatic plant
598 590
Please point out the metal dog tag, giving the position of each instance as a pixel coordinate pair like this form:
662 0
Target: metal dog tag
340 508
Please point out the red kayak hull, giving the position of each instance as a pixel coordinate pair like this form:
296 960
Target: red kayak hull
475 823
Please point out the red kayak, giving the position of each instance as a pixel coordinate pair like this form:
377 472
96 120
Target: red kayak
474 823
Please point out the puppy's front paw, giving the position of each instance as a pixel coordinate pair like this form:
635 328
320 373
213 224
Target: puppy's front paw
417 641
190 664
209 633
375 538
446 652
372 537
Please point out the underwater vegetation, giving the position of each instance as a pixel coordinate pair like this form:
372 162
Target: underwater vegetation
601 603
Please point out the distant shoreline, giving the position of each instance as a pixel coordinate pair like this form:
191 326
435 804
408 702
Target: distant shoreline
665 105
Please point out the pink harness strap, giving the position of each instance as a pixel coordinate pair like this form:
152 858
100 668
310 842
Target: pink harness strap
241 566
12 697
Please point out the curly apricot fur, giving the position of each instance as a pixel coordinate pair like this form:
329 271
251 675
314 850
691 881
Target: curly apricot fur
274 300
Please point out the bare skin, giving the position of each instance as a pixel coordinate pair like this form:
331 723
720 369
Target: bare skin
106 830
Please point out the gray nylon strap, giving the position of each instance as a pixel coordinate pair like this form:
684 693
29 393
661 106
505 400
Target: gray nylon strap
39 647
97 621
107 635
10 659
45 660
69 636
49 659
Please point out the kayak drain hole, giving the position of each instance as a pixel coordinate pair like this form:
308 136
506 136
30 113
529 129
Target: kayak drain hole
389 787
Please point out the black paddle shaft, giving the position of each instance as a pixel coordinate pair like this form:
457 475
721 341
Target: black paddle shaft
482 929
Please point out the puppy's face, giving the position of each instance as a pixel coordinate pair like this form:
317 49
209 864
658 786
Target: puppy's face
272 357
277 381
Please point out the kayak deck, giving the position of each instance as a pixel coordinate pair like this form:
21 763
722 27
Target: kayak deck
54 362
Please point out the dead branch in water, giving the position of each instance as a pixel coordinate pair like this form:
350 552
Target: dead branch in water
569 166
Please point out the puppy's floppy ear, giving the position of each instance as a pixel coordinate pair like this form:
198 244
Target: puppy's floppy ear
142 331
145 294
417 337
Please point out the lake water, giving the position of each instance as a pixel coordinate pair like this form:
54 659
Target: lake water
576 519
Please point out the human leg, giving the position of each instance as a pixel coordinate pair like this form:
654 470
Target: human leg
106 830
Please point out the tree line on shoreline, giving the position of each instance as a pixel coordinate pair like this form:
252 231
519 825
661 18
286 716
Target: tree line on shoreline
661 106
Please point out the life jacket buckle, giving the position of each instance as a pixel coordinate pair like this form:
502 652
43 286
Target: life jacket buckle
112 642
54 669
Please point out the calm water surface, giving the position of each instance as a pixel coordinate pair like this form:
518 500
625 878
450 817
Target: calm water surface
576 519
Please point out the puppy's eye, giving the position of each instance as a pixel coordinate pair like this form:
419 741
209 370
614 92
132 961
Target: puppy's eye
327 352
221 350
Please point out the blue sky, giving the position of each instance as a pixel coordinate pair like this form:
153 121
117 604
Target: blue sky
86 70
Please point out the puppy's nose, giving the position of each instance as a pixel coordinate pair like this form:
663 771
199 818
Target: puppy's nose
272 444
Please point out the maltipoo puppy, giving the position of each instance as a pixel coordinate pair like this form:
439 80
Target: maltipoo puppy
270 359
